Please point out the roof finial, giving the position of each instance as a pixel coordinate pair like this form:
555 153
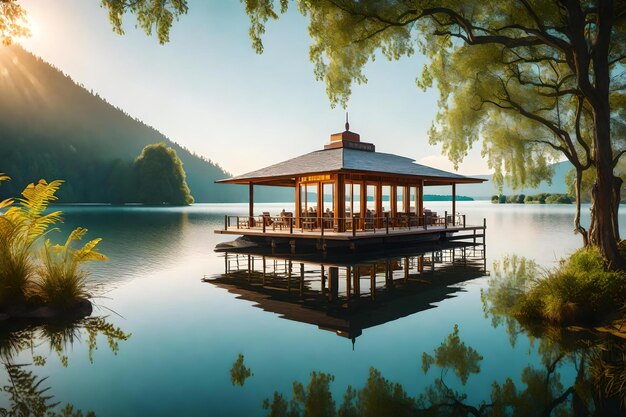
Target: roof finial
347 124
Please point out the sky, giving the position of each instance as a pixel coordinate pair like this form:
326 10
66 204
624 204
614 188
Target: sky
209 91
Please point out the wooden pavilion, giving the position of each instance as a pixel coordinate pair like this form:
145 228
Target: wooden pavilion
348 191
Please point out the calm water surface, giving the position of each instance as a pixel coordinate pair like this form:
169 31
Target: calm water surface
186 334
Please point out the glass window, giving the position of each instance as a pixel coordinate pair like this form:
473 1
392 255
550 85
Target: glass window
370 198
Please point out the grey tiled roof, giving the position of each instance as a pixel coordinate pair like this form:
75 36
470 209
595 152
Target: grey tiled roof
347 159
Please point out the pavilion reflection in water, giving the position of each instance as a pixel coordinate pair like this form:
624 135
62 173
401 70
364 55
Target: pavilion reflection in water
346 292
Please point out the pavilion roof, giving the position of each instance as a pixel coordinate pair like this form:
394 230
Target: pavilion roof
348 159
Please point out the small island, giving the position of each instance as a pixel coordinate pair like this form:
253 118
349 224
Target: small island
541 198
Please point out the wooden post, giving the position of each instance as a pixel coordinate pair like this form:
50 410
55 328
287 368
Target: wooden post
406 269
226 222
264 273
445 219
250 204
378 203
301 279
393 203
249 268
289 276
357 282
323 284
420 205
348 279
340 203
333 283
298 213
373 282
453 203
420 264
320 200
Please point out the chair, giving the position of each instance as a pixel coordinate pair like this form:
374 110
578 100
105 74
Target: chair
266 218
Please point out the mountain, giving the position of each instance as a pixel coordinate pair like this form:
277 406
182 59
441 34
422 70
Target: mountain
487 189
53 128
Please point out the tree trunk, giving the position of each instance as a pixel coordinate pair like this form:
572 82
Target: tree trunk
577 226
617 197
604 224
602 232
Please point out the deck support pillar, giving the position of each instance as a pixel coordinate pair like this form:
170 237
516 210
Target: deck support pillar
301 279
348 282
357 282
250 204
453 203
323 281
373 282
406 269
333 283
264 270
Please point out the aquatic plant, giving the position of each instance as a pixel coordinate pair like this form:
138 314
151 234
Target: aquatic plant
21 227
580 290
61 281
52 273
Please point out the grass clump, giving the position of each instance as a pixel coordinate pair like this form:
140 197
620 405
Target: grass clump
579 291
61 281
32 271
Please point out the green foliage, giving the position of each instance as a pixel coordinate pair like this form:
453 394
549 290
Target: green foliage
454 354
55 276
542 198
160 177
27 394
62 281
13 22
579 291
151 15
239 372
21 227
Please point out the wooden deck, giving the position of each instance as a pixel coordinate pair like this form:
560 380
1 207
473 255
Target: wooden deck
322 238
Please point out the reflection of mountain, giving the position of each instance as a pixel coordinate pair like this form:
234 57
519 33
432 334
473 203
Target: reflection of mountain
349 292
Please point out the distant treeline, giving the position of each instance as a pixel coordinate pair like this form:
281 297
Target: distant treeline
541 198
436 197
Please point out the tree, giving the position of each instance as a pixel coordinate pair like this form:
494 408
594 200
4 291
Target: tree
160 177
536 80
13 21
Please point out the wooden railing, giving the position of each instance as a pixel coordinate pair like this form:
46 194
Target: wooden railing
354 224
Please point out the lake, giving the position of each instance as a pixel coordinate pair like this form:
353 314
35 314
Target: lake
185 334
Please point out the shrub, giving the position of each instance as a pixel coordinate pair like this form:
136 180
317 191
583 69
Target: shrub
580 290
62 281
22 226
495 199
529 199
502 199
55 276
520 199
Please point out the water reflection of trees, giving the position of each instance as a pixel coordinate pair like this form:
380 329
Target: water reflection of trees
597 387
27 393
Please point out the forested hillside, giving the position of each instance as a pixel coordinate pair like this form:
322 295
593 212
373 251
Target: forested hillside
52 128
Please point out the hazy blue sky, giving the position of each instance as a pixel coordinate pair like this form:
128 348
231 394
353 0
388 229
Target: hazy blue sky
209 91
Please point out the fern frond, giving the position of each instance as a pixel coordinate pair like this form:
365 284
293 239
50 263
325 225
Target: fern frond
77 234
87 252
37 197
